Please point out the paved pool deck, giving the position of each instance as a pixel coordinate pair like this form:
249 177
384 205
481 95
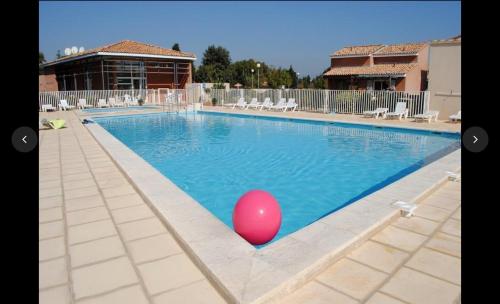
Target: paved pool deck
441 125
101 243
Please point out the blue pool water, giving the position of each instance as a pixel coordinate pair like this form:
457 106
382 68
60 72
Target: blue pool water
118 109
312 168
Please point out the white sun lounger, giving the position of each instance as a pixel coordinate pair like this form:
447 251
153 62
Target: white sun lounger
266 104
253 103
456 117
378 111
400 111
291 104
429 115
63 105
101 103
113 103
280 105
48 107
82 104
241 104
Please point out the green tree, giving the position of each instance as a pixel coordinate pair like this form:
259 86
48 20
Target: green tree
294 77
58 54
216 56
319 82
277 78
41 58
176 47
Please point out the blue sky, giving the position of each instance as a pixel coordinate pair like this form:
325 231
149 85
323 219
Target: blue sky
302 34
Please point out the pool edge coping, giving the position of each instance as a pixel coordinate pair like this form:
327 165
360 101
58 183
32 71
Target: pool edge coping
247 275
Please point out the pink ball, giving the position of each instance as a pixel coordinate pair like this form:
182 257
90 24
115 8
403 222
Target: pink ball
257 217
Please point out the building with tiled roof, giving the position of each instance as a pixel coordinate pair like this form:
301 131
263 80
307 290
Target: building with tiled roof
400 67
123 65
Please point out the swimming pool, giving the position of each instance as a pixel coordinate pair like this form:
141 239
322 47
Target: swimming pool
312 168
118 109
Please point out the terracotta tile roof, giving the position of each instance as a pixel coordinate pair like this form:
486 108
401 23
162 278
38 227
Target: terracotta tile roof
379 69
132 47
401 49
357 50
456 39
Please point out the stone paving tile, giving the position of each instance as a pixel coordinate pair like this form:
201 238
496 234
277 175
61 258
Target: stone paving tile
197 293
49 184
105 170
352 278
416 224
51 248
124 201
75 170
140 229
50 202
52 273
111 182
86 216
432 213
49 215
380 298
437 264
117 191
80 192
90 231
84 183
379 256
152 248
452 227
316 293
132 213
169 273
103 277
96 251
458 214
442 202
77 176
418 288
56 295
399 238
446 243
128 295
48 192
49 230
84 203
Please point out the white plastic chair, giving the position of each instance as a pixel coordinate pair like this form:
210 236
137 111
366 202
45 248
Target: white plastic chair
63 105
400 111
378 111
429 115
456 117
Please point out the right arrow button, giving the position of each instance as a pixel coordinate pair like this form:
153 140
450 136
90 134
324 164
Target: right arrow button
475 139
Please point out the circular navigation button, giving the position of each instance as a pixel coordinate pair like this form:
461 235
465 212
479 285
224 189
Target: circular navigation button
475 139
24 139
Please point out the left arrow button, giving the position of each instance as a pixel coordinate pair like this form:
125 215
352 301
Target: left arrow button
24 139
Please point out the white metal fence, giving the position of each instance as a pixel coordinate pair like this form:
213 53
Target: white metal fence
309 100
162 97
327 101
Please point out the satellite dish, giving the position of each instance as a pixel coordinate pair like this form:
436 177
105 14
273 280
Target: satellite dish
67 51
81 49
74 50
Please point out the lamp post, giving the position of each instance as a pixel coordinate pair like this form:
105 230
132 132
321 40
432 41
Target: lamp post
258 80
252 70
